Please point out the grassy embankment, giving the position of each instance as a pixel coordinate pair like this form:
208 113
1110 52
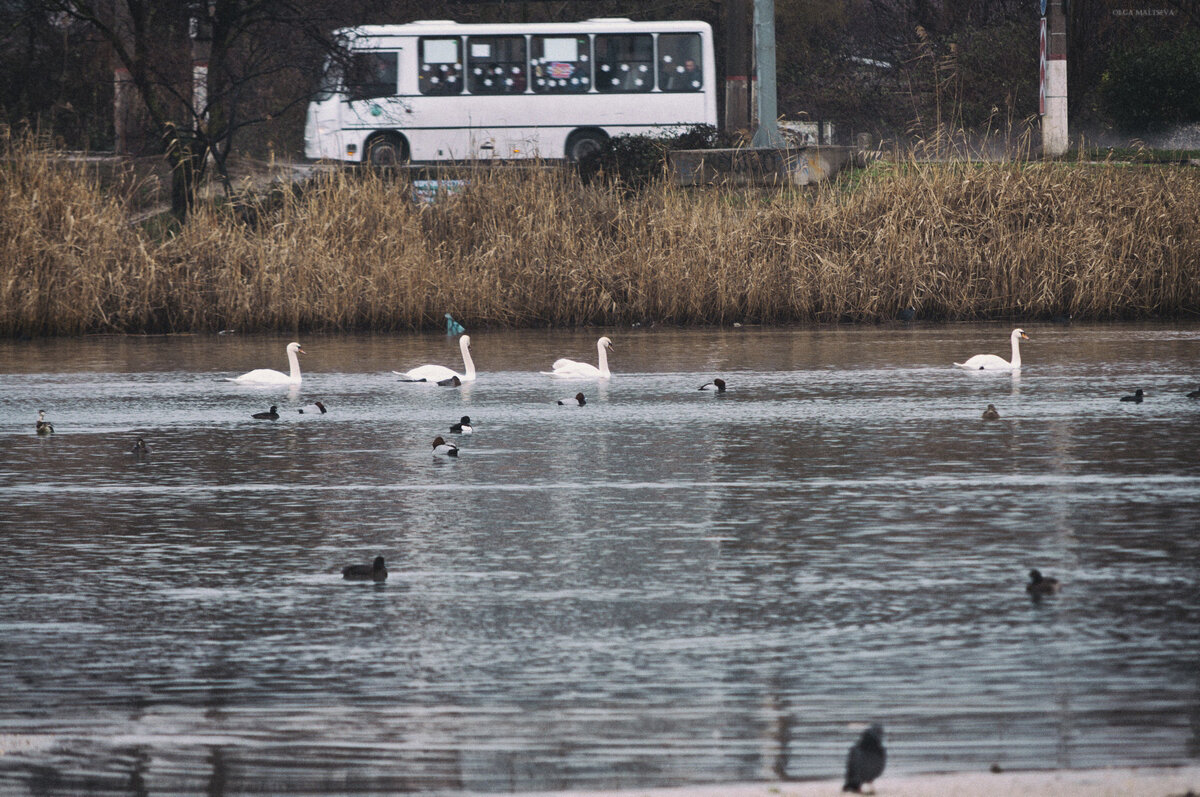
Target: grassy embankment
955 241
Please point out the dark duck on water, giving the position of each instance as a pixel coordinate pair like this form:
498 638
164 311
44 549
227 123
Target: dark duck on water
374 571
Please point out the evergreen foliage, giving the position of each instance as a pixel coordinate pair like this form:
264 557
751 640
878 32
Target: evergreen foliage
1154 84
637 160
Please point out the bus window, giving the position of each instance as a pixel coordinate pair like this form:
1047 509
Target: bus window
331 78
560 64
623 63
679 62
370 75
496 64
441 67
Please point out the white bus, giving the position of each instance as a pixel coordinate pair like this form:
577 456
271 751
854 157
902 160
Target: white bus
435 91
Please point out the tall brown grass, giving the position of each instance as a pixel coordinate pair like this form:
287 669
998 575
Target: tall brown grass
525 247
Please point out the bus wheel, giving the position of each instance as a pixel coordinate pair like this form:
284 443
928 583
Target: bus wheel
385 152
583 143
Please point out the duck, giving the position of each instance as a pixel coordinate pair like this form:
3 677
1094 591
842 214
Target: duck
265 376
270 415
463 426
866 760
991 413
717 385
1194 394
43 426
577 401
374 571
1136 398
440 446
440 374
565 368
1041 585
139 448
991 362
316 406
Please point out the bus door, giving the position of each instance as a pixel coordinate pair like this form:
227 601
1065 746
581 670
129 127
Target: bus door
370 101
323 138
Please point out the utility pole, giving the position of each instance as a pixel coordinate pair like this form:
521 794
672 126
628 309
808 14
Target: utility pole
200 32
767 132
1053 105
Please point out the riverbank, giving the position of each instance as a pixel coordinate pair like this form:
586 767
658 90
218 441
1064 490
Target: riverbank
1115 782
521 248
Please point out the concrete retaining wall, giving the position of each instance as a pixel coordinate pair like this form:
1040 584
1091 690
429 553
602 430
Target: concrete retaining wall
763 166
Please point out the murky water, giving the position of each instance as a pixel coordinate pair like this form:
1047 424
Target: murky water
662 587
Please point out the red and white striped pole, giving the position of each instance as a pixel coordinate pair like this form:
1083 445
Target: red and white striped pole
1052 94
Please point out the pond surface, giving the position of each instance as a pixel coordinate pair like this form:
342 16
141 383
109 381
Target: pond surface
663 587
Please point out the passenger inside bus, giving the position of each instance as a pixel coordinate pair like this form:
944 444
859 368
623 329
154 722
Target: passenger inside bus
682 77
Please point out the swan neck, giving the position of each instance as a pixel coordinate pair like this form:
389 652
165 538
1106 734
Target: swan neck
468 363
603 352
1016 351
294 366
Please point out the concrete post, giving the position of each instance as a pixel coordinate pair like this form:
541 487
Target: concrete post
767 132
201 36
1055 138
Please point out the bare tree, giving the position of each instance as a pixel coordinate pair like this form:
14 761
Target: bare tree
199 68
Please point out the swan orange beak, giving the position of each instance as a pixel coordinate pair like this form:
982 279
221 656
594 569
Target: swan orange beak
301 351
1023 335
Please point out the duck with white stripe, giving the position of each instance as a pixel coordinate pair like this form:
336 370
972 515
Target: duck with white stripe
43 426
463 426
440 446
717 385
576 401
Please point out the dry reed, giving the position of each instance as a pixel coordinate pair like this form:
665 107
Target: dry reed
535 248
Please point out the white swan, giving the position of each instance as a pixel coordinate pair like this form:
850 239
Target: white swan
991 362
572 368
265 376
440 373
